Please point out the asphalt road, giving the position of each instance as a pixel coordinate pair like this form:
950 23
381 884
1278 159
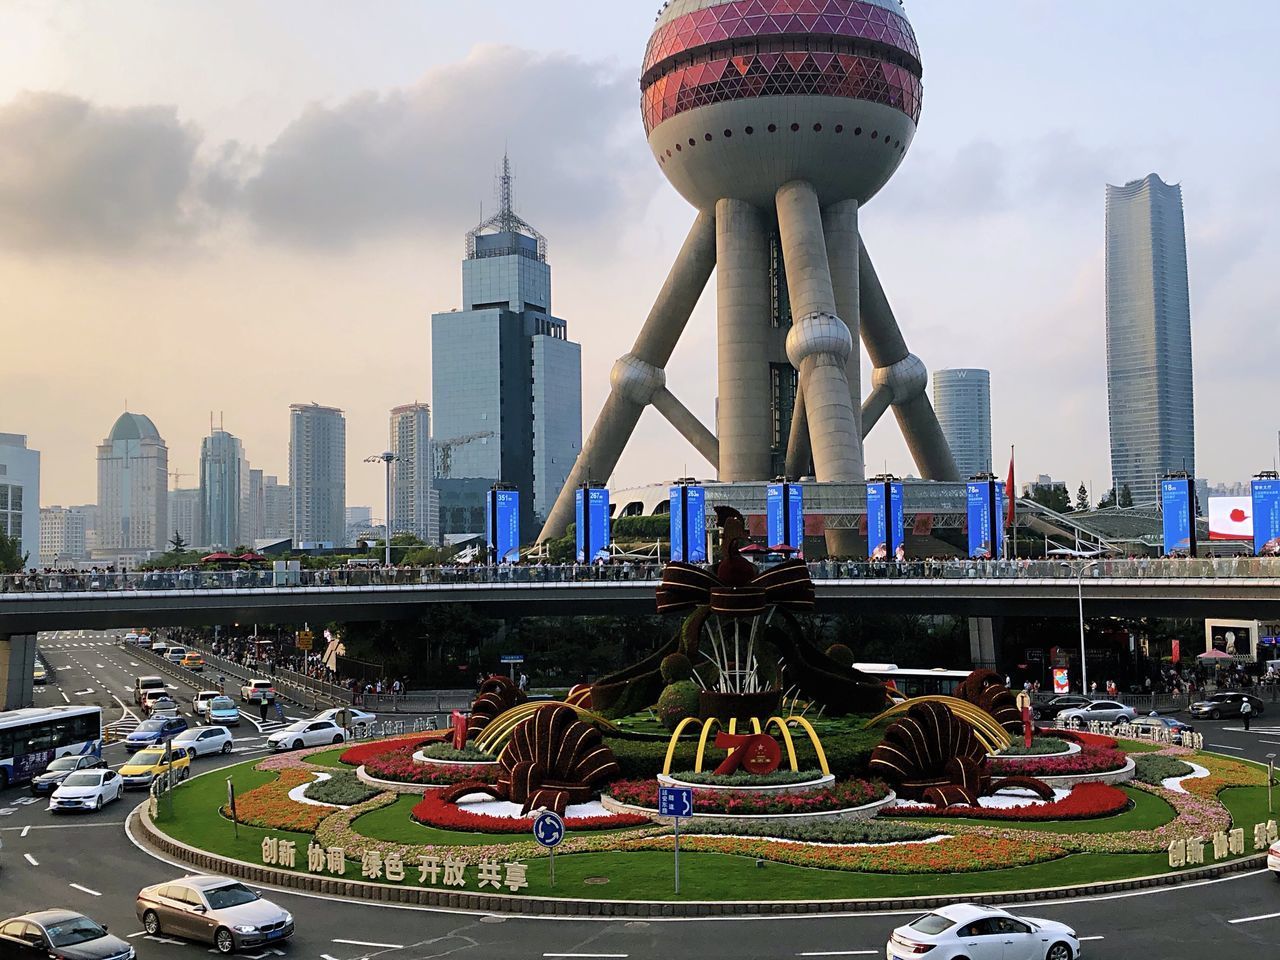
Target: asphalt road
88 863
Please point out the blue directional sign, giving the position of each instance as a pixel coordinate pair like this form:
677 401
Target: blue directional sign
511 658
675 802
548 829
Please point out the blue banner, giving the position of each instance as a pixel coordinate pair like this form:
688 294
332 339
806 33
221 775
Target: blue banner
985 500
877 523
689 524
504 536
785 527
592 525
898 521
1266 518
795 511
1176 503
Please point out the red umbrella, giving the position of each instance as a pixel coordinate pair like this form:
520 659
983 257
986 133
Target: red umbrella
753 548
217 558
251 557
784 548
1214 655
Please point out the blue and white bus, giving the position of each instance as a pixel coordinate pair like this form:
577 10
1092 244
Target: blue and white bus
30 739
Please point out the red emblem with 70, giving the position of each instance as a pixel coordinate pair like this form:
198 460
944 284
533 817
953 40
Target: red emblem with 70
756 753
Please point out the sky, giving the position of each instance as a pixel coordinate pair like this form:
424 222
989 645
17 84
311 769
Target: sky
210 209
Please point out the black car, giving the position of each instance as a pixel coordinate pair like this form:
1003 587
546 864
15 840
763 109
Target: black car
60 769
1050 709
59 933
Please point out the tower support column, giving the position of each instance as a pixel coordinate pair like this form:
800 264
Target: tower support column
17 668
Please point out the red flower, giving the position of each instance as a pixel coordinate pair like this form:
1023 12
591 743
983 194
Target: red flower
1088 801
1090 759
434 812
364 752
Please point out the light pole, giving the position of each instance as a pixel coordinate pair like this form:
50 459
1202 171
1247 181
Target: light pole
388 458
1084 667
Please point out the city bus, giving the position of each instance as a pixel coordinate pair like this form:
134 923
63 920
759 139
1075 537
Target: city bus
31 738
915 683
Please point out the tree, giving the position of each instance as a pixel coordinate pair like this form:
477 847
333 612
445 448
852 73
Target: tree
1108 501
1055 497
1082 498
11 561
1126 496
178 542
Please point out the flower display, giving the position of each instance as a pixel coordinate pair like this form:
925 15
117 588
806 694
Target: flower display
839 796
1090 760
1087 801
433 811
269 805
364 752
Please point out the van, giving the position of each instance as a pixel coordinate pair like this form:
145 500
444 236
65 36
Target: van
175 654
141 685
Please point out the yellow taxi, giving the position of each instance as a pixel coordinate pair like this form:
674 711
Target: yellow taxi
193 661
147 765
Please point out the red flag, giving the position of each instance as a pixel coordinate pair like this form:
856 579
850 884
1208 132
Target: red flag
1011 514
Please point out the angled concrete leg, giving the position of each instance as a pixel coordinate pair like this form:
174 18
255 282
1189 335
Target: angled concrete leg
904 376
17 668
639 375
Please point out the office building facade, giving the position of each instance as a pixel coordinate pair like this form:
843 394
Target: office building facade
1149 365
277 509
133 490
415 508
318 473
224 492
20 494
506 379
184 518
62 537
962 400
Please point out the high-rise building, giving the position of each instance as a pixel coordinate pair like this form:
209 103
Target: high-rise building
962 399
254 520
506 379
1149 370
20 493
224 491
277 509
415 508
184 517
62 536
318 473
133 490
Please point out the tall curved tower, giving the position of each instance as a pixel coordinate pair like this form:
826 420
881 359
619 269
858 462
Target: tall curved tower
777 120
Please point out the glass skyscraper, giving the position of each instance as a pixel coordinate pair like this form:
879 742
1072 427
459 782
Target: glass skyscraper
1149 371
962 399
415 507
318 474
224 492
506 380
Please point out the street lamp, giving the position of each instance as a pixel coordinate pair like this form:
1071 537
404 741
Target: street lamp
1084 668
388 458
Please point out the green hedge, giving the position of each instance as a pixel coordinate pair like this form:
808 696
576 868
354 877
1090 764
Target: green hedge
1153 768
848 754
343 789
779 778
445 751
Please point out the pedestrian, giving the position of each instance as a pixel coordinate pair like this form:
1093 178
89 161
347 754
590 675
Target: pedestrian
262 709
524 681
1246 712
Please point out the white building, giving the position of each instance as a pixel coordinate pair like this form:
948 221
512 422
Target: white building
415 506
184 517
62 536
20 494
277 509
318 473
133 491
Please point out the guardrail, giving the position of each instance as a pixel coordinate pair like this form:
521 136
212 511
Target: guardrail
1127 731
316 689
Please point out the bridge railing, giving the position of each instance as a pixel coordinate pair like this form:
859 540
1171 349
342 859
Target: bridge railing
545 575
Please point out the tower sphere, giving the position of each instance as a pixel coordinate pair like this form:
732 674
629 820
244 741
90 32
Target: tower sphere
741 97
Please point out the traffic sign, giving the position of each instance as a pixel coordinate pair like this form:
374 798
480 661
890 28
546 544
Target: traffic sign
675 802
511 658
306 639
548 829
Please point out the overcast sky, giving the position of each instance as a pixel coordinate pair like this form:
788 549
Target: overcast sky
223 207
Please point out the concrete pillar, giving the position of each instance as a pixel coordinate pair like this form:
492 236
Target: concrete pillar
982 643
17 667
653 348
878 401
840 224
689 426
743 328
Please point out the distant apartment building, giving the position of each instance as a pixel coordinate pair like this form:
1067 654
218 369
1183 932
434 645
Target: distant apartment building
415 507
224 491
62 536
277 509
20 494
184 517
133 491
318 473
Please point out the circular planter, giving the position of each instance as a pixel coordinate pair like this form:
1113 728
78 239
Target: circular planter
1123 775
865 812
806 786
738 706
426 761
1072 748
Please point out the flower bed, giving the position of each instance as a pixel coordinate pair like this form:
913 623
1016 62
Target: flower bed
818 831
434 812
342 789
398 765
445 752
778 778
840 796
1088 801
1090 760
1155 768
269 805
1040 747
1081 737
362 753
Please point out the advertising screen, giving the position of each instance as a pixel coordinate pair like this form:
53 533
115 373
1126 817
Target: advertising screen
1266 518
1175 502
592 525
502 523
898 520
1061 680
1231 518
984 529
785 521
689 524
877 523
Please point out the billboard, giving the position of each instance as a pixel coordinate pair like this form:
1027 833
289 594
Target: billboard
1231 518
1179 517
898 520
502 523
886 522
986 533
689 524
785 524
1266 518
1061 680
592 524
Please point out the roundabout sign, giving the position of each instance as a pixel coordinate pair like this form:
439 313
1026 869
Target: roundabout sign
548 830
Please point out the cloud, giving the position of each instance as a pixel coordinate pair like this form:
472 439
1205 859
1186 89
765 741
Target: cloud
79 177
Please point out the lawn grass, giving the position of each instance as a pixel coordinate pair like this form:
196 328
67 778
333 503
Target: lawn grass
1139 746
1146 812
329 758
1248 806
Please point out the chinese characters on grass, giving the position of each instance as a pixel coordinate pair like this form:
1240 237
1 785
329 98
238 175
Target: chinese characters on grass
434 871
1224 843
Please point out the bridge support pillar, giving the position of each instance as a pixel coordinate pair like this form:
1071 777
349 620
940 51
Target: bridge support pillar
982 643
17 666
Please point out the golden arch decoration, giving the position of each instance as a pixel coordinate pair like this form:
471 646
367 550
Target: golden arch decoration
494 737
782 724
988 730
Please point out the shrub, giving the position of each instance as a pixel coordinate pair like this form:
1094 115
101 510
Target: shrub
678 702
1039 745
1154 769
820 831
445 751
676 667
839 796
841 654
341 789
778 778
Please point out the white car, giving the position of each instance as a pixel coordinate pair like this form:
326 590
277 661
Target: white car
205 740
307 733
1273 860
1104 711
967 931
200 703
356 719
87 790
255 691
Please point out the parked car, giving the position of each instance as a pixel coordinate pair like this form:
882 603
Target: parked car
977 933
213 910
200 702
144 685
306 733
255 691
1051 708
1101 710
87 790
223 711
193 662
61 768
60 933
1176 727
1225 705
146 765
155 730
205 740
355 719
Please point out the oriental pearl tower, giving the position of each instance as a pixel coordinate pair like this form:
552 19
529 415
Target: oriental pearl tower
777 120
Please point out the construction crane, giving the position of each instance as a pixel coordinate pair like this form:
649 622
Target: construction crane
445 448
176 477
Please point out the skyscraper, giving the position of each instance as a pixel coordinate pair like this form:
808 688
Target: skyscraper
962 399
506 379
184 517
415 508
133 490
20 494
318 473
62 540
224 491
1149 371
277 509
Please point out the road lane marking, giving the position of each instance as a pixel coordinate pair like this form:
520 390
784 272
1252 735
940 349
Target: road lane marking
840 953
65 826
76 886
365 943
31 860
618 956
1264 916
140 933
1275 742
1087 939
65 697
25 830
1223 746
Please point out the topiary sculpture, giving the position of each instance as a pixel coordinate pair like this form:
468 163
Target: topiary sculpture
841 654
497 695
985 689
679 701
676 667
